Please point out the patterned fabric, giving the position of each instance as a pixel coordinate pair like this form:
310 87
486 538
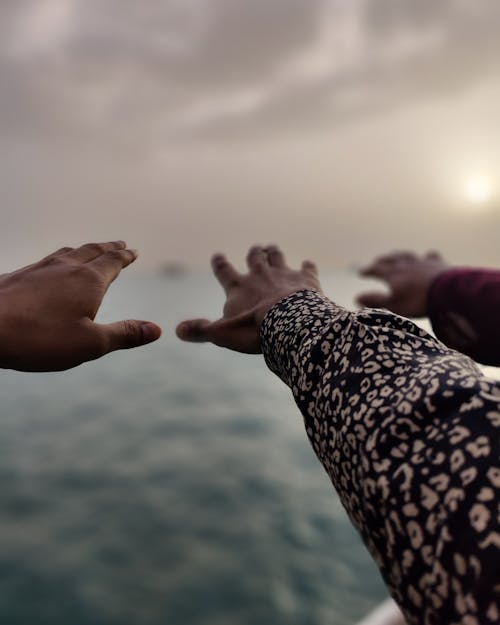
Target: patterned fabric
408 431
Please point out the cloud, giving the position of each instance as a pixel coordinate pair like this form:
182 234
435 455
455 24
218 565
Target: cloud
372 56
84 63
151 72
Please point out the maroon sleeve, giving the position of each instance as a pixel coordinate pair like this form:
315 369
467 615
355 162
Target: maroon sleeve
464 309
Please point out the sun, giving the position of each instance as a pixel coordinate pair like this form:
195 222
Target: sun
479 189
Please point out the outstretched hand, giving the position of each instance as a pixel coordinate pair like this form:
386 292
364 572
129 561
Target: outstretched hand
47 310
408 277
249 297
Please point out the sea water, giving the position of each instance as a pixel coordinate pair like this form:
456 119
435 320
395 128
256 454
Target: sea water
170 485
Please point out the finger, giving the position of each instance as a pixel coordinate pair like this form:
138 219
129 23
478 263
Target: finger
373 271
404 255
397 256
127 334
90 251
374 299
256 257
383 266
309 267
46 259
109 264
433 255
225 273
60 252
378 268
275 256
194 330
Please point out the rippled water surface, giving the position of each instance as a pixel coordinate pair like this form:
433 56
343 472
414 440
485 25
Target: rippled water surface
170 485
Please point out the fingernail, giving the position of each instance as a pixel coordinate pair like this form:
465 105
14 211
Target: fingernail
149 333
183 330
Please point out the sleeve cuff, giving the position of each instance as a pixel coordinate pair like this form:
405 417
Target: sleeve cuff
293 326
463 305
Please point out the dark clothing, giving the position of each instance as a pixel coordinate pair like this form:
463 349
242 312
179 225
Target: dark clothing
473 296
408 431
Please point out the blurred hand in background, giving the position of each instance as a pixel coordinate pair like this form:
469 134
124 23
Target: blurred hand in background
47 310
408 277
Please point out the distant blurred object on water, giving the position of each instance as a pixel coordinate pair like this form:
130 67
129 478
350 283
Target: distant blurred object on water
174 269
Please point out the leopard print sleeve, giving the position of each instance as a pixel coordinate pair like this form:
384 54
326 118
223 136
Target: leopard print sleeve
408 431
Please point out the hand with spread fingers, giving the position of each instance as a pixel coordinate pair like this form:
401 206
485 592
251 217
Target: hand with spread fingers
408 277
249 297
47 310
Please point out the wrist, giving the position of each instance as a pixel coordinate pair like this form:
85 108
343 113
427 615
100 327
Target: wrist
296 323
265 306
19 330
434 292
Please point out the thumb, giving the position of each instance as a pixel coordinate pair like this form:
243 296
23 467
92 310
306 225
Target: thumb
374 299
194 330
129 333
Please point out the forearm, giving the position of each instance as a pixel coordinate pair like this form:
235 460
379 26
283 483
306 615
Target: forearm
386 407
332 358
464 309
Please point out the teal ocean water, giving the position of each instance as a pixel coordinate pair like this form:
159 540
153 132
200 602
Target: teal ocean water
171 485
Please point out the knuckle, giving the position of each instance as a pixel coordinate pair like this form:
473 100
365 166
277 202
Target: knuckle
116 255
131 333
94 247
55 261
260 267
58 262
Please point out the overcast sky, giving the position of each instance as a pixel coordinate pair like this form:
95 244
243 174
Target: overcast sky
339 128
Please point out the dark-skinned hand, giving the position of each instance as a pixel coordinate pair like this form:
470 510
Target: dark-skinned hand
47 310
408 277
248 298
